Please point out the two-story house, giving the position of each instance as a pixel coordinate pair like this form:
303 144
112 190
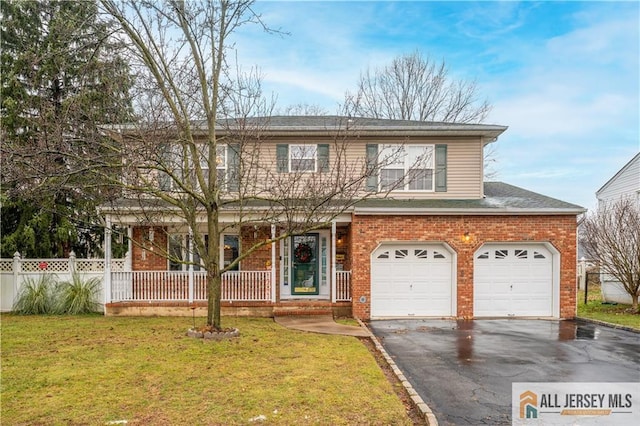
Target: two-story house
431 241
625 184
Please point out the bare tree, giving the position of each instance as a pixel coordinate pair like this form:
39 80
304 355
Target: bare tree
305 109
612 238
197 151
413 87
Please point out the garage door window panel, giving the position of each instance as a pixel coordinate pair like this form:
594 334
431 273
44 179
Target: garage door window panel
421 254
438 255
383 255
402 254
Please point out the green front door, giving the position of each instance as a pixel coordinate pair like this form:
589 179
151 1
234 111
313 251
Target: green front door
305 264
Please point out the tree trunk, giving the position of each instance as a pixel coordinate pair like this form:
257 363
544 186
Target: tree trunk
214 276
634 303
214 293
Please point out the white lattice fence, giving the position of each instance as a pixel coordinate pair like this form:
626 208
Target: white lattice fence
14 272
6 265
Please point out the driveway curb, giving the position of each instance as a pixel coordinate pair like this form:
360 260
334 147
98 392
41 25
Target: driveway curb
417 400
608 324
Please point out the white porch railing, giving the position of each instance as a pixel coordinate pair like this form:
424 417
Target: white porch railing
171 286
343 286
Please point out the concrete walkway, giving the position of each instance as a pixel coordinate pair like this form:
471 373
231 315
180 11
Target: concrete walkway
320 324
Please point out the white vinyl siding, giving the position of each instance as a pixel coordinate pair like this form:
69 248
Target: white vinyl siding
624 184
464 166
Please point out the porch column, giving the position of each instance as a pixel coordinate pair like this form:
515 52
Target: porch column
273 263
191 276
333 261
107 261
129 256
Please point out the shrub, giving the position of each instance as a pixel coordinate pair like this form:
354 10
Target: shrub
78 296
36 296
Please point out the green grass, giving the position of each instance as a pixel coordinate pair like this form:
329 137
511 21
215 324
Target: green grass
620 314
93 369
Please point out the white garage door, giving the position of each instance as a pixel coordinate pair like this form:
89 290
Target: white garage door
411 280
513 280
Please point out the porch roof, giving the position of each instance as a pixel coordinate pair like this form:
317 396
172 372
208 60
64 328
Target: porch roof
499 199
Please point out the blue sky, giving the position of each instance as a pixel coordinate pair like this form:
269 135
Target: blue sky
564 76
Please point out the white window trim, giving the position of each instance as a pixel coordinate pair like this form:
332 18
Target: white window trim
221 250
304 147
220 165
183 254
184 245
407 165
172 161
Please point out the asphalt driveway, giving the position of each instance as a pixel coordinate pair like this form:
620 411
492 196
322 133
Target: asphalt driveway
464 369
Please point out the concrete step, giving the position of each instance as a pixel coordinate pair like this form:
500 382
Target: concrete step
302 310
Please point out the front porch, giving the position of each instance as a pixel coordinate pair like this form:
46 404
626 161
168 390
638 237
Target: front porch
244 293
299 274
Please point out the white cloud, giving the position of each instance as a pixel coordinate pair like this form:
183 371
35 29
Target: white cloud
575 84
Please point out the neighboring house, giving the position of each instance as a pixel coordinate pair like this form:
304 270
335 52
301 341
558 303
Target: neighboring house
446 245
624 184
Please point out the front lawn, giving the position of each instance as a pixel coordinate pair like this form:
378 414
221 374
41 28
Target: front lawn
96 370
620 314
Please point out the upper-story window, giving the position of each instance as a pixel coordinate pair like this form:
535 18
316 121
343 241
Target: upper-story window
226 167
221 164
303 158
406 168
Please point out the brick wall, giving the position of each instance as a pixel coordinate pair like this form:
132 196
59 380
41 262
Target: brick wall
260 260
368 232
149 255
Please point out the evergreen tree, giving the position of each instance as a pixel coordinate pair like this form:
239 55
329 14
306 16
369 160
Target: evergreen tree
62 75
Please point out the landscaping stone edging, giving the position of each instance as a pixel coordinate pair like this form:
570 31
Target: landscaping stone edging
608 324
428 415
207 335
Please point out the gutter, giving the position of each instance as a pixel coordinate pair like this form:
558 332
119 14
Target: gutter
474 211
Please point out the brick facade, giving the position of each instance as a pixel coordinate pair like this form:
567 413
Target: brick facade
149 255
369 231
260 260
364 235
